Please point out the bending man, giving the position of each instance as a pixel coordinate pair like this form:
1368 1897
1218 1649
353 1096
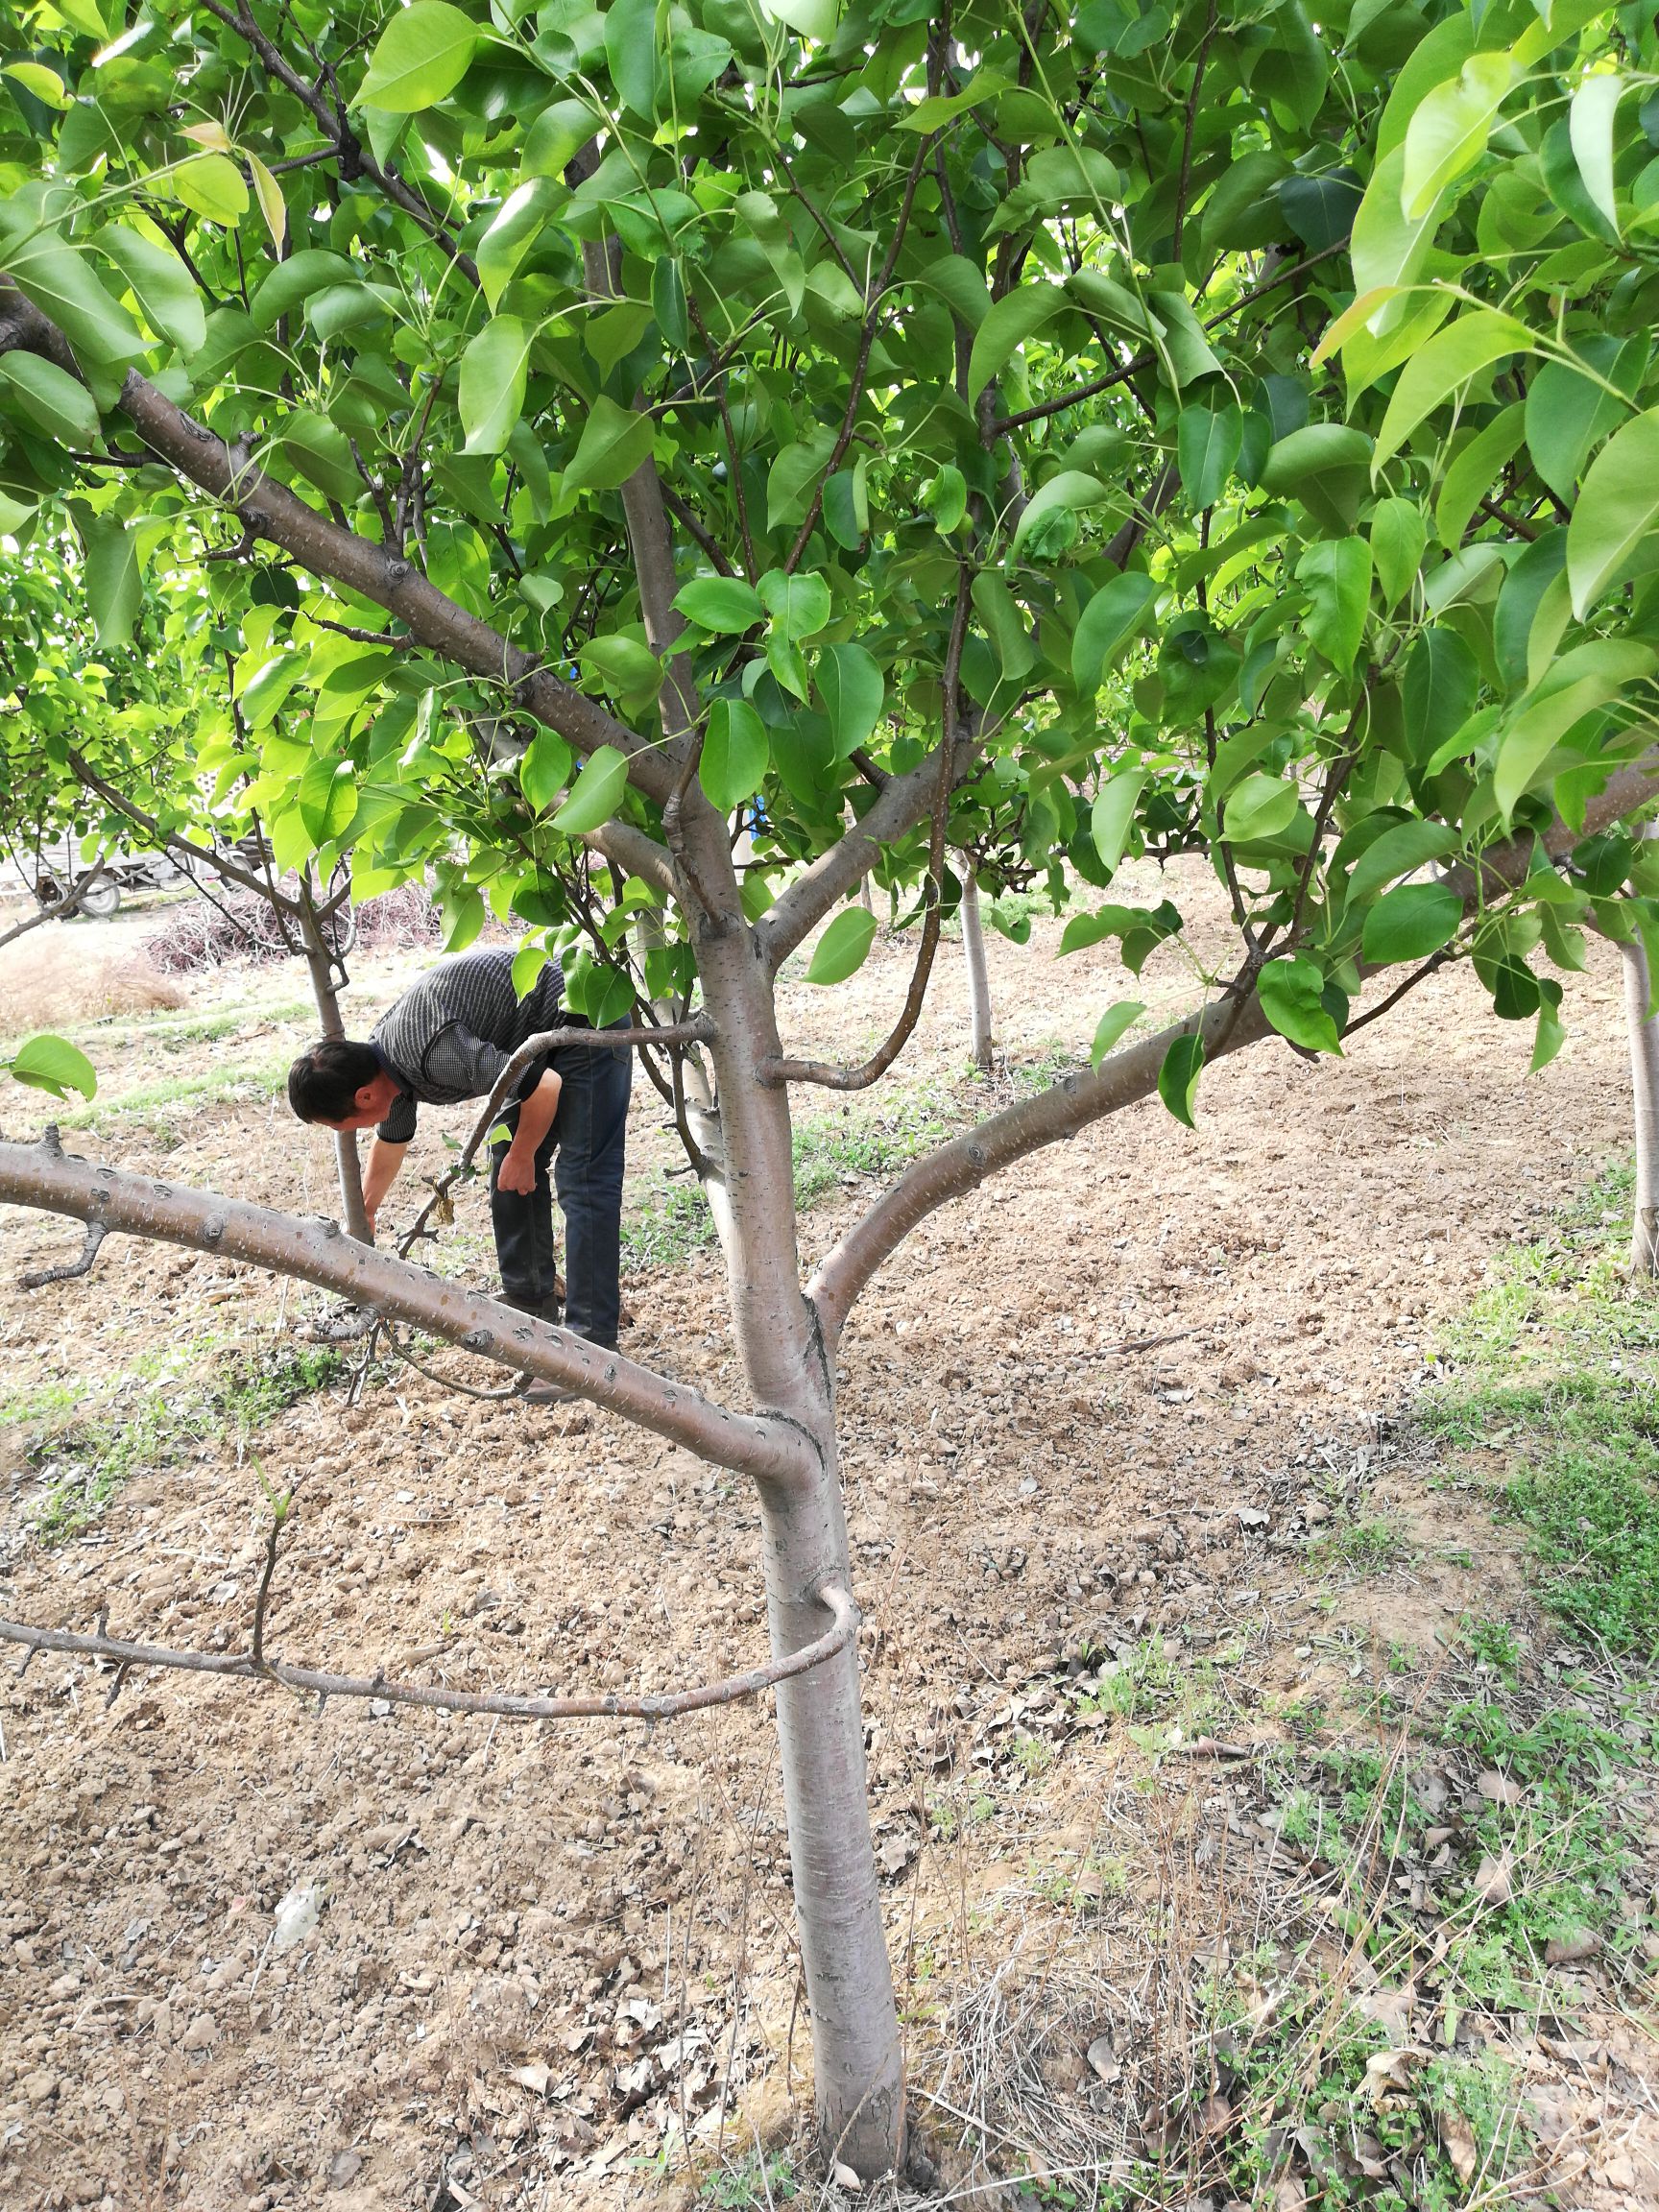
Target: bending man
448 1039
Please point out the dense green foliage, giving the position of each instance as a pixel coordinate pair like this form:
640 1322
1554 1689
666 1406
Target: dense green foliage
1242 429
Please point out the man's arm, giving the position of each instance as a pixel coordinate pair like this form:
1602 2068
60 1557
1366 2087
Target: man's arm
518 1170
384 1162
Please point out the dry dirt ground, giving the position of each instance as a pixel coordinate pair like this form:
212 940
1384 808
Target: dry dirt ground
1106 1399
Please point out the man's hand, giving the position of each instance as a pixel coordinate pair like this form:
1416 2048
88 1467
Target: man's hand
517 1170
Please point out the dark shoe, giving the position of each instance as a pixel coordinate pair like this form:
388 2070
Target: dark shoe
547 1394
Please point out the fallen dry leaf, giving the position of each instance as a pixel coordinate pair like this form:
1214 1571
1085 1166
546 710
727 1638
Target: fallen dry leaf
1457 2140
1494 1880
1498 1789
1567 1950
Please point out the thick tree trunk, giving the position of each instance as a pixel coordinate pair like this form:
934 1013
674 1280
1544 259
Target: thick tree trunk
1643 1029
979 976
857 2065
320 965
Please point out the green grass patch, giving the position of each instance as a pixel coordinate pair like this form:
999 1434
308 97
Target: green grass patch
1556 1366
155 1103
165 1409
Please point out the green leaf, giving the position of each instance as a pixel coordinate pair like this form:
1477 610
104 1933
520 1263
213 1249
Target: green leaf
1005 625
1115 615
932 114
854 691
53 1064
1178 1077
1590 132
1410 921
1324 466
163 287
1449 360
1292 997
1338 575
613 443
842 949
266 691
1399 537
211 184
945 497
1448 133
1566 414
1531 575
626 666
1259 807
1616 512
1585 680
544 769
1439 689
294 281
1207 443
52 272
1398 852
799 605
327 800
596 793
1112 816
724 606
668 301
631 49
812 19
1019 314
1068 492
114 586
420 58
518 223
734 754
1115 1020
494 369
1551 1031
528 963
49 398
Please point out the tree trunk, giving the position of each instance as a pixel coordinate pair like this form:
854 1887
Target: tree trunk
1643 1028
857 2065
978 978
321 964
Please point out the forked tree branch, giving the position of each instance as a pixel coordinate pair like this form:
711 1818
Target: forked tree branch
245 1666
267 509
222 865
314 1251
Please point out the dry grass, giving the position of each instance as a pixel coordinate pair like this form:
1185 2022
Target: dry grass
60 973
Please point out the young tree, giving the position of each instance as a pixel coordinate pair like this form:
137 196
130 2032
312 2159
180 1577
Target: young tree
1165 429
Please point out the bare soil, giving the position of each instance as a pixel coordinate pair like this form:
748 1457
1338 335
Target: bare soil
1108 1397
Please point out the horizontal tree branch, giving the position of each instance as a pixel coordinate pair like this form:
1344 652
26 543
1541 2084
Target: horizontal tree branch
267 509
962 1165
1128 1076
222 865
45 1177
244 1666
635 851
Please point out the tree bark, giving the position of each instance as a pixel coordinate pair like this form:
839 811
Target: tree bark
43 1175
859 2078
1644 1032
978 975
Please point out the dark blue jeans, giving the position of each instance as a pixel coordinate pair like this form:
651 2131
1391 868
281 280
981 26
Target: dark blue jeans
582 1157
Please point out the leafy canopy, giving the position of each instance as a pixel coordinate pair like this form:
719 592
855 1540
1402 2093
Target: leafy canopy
1246 428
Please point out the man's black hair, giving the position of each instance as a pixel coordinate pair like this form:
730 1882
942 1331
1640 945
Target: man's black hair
324 1083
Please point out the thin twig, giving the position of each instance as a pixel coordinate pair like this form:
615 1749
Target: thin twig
244 1666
